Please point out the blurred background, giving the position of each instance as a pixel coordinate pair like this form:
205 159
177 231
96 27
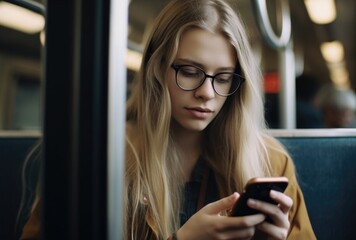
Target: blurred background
323 43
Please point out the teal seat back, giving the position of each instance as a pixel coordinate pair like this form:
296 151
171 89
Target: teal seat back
326 168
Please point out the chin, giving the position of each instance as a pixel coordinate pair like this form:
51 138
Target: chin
191 125
197 127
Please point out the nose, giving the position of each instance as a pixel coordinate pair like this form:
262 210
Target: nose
206 90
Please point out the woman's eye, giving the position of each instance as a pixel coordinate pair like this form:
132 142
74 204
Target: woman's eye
223 79
189 72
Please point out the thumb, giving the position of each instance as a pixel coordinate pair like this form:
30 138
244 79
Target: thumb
222 204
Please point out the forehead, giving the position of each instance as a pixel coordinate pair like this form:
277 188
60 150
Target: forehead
206 48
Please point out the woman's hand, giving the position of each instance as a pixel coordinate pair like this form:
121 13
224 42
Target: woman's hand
209 224
279 227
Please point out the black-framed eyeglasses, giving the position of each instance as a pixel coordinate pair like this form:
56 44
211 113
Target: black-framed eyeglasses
189 78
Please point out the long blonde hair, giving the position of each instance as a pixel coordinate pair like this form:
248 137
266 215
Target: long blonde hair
235 147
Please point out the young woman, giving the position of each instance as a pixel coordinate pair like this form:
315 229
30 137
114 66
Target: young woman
196 134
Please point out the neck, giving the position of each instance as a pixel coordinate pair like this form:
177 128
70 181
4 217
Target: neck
190 144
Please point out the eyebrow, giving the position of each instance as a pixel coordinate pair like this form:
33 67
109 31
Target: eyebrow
183 61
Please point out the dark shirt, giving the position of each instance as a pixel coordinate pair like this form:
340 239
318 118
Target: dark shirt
192 190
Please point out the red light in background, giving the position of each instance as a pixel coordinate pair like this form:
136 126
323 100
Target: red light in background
271 83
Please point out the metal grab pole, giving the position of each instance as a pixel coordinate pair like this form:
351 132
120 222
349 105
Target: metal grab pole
287 103
117 113
287 95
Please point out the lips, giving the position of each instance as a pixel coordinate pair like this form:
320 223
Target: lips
200 113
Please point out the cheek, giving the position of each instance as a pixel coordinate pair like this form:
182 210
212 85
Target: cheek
220 105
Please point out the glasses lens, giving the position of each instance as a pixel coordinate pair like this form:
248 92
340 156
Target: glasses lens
226 83
189 77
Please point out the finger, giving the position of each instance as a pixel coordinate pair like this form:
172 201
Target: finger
262 206
271 210
221 205
232 223
285 202
245 233
273 231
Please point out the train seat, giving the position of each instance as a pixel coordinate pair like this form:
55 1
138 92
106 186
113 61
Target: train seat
325 161
326 165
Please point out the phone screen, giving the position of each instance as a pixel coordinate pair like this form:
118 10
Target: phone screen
259 189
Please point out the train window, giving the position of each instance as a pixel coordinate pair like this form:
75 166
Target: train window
313 47
20 67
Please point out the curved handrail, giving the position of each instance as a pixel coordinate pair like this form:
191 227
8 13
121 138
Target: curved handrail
30 5
260 8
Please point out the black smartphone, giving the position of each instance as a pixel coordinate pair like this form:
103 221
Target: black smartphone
259 189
